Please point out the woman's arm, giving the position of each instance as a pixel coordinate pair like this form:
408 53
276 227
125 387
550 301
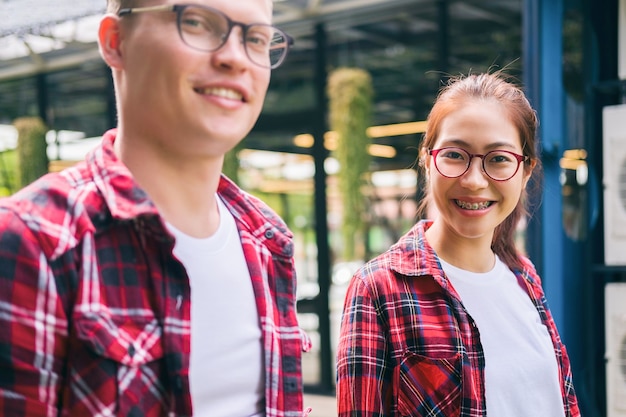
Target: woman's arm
363 369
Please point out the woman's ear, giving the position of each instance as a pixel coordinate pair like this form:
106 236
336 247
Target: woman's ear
424 162
109 40
423 158
528 170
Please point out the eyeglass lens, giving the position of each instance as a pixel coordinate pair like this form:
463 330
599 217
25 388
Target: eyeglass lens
207 30
454 162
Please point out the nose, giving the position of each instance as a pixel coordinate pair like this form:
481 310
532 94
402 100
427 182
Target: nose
232 53
475 178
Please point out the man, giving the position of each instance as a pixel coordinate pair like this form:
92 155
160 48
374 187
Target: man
141 282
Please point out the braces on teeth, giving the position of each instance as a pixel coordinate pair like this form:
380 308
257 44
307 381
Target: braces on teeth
473 206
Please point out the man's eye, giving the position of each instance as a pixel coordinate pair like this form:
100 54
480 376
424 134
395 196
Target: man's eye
256 40
192 22
198 23
258 37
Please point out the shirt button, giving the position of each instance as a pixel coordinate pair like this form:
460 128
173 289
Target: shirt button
269 234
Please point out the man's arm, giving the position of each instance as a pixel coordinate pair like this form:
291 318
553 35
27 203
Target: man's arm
33 325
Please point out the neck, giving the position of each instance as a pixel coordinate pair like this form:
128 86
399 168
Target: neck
182 187
474 255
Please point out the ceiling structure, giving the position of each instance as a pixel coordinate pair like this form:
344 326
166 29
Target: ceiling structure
408 47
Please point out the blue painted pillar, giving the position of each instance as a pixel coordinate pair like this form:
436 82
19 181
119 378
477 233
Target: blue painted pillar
559 260
544 86
551 133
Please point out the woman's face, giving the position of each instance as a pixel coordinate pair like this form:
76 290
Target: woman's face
473 205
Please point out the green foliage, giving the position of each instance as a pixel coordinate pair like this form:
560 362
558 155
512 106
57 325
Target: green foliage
31 149
8 173
288 206
350 94
230 168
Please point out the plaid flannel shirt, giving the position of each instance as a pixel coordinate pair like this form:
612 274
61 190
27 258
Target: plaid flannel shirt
409 348
95 309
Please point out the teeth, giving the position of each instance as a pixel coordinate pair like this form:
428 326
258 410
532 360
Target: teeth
222 92
473 206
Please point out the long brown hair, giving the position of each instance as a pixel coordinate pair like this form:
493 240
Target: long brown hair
489 86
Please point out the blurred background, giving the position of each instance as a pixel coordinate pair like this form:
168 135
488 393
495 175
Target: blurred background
567 54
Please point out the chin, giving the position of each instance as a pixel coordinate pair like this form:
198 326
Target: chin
469 230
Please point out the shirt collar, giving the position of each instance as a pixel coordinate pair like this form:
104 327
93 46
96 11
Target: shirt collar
126 200
123 196
413 256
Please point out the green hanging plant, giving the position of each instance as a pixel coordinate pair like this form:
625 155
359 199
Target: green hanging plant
230 167
32 157
350 94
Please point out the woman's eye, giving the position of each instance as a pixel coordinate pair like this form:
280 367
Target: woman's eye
454 155
500 158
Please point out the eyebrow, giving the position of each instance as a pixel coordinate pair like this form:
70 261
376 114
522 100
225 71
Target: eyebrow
464 144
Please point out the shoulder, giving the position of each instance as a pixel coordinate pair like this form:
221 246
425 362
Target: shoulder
526 263
256 217
528 270
249 208
411 255
404 268
408 269
52 209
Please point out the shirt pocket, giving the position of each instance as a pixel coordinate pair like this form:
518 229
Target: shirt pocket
118 365
429 386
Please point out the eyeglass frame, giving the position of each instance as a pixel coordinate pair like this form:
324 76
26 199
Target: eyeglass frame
180 8
518 157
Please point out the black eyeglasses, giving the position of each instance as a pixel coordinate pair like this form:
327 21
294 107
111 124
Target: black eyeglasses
499 165
207 29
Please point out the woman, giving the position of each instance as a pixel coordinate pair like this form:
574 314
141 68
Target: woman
452 320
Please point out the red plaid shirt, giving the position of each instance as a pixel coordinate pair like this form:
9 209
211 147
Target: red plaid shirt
95 309
409 348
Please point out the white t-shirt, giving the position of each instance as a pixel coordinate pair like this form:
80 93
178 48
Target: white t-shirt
521 370
227 366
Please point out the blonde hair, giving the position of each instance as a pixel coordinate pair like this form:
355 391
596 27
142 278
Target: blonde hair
114 6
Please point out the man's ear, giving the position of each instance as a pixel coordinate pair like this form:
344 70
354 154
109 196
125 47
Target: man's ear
109 40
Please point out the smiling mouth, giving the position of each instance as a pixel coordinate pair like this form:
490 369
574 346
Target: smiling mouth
221 92
473 206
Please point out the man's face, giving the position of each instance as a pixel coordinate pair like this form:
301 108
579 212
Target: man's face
191 101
